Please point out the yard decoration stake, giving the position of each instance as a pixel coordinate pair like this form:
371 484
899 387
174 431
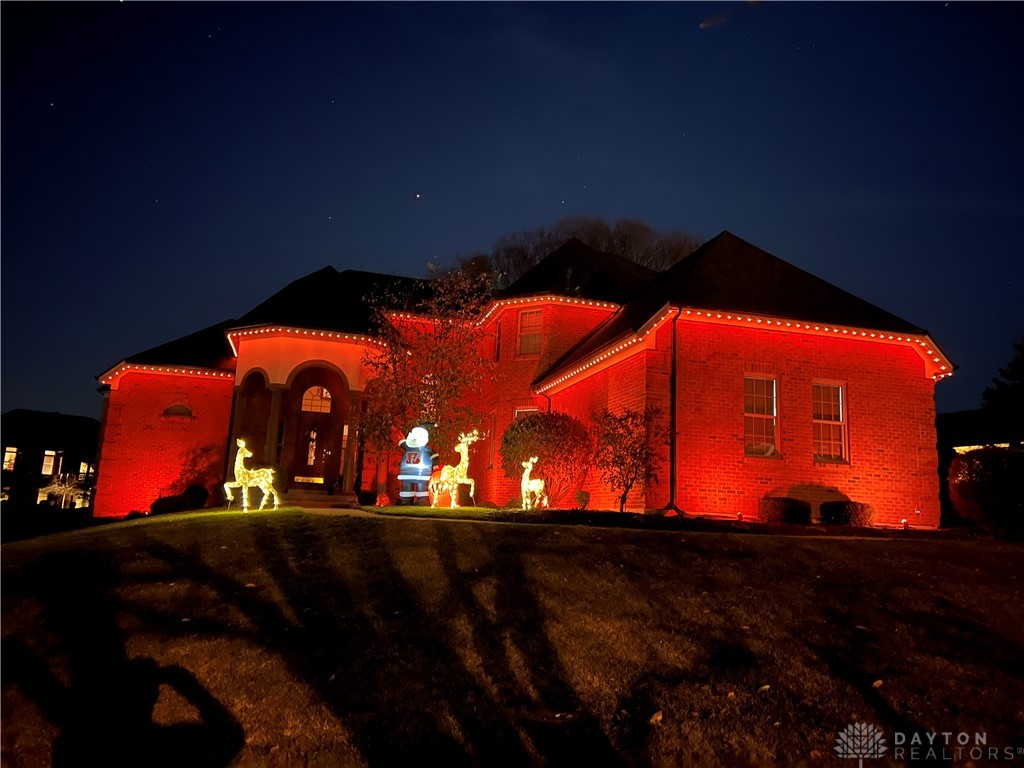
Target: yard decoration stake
453 476
534 496
245 478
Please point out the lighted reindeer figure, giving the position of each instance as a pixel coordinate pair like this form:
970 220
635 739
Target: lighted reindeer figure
245 478
534 495
452 477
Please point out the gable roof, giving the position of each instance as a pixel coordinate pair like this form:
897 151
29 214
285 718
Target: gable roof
728 273
207 348
330 300
325 300
50 430
577 270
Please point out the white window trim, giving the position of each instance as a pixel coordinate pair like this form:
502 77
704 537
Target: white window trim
539 333
843 422
775 453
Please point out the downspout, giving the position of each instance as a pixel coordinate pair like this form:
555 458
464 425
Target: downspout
546 395
673 438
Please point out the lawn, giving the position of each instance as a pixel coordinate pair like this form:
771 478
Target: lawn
282 638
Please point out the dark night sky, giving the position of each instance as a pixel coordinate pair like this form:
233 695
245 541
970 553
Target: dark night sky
168 166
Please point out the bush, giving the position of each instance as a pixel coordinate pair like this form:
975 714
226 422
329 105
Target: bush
166 505
563 445
782 509
847 513
582 499
985 488
194 497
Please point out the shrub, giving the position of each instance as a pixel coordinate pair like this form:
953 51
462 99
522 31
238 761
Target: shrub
165 505
194 497
561 442
985 487
847 513
782 509
582 499
628 448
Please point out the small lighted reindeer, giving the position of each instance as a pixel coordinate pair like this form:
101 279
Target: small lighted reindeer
534 495
452 477
245 478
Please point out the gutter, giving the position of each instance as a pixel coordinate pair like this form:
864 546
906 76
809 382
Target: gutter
672 420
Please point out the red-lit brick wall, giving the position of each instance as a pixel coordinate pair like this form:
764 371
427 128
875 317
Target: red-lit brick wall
890 421
621 386
147 455
563 325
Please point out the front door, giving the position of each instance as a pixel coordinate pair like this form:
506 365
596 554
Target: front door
316 437
312 450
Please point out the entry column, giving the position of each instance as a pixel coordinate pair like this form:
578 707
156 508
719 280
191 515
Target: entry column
349 463
273 424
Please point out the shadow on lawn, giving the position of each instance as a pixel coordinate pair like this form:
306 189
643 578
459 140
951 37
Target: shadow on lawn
389 668
105 713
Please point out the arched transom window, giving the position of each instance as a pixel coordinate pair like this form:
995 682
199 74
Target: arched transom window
317 400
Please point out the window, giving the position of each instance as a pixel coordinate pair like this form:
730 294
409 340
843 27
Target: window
317 400
523 412
759 416
829 422
529 331
49 459
179 410
10 456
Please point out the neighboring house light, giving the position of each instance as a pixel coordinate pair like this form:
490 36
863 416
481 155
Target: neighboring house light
10 457
49 461
968 448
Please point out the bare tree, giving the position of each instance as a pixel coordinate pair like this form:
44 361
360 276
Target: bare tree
513 255
627 453
431 357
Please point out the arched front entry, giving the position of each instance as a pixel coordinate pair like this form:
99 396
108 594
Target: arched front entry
315 412
252 415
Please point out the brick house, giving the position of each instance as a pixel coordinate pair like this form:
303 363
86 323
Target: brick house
772 381
41 447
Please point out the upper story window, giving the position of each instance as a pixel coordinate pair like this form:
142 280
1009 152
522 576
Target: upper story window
178 409
530 331
10 456
317 400
759 416
829 422
50 460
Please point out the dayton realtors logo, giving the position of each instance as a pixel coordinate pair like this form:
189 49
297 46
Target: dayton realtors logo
861 741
